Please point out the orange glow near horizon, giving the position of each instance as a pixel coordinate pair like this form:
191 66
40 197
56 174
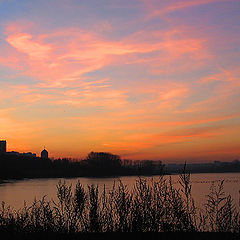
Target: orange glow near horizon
142 79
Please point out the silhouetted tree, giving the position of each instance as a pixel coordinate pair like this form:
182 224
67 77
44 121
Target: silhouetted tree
103 163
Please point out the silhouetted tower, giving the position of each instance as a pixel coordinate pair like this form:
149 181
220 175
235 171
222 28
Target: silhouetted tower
44 154
3 147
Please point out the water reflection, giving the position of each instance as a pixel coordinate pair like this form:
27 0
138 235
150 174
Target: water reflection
14 193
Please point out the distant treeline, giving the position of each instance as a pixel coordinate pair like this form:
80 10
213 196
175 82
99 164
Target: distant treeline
215 167
96 164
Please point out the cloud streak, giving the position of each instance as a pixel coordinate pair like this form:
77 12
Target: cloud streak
145 79
179 5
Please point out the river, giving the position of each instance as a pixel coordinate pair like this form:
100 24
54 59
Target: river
14 193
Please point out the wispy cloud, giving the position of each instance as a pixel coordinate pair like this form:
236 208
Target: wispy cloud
161 9
68 54
24 43
142 78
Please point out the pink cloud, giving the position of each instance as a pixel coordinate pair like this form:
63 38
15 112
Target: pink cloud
174 93
172 7
68 54
23 43
60 59
224 75
165 96
109 98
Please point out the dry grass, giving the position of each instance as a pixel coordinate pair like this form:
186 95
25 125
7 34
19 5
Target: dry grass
155 206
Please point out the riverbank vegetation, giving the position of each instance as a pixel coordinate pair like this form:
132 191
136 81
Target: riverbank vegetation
155 206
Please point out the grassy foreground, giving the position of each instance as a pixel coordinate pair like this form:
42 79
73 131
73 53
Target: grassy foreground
155 206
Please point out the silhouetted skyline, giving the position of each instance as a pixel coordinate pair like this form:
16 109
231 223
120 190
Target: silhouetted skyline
15 165
44 154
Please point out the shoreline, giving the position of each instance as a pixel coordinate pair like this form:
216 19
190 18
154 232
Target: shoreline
9 180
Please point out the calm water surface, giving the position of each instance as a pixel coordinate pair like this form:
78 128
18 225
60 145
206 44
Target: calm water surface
14 193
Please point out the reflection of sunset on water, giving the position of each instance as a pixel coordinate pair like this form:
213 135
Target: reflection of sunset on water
27 190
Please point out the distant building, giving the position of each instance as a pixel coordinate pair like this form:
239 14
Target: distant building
3 147
44 154
3 150
29 154
13 153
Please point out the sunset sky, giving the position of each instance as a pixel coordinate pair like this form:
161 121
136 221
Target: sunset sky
145 79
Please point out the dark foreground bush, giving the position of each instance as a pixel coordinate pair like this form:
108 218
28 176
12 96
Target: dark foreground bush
155 206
